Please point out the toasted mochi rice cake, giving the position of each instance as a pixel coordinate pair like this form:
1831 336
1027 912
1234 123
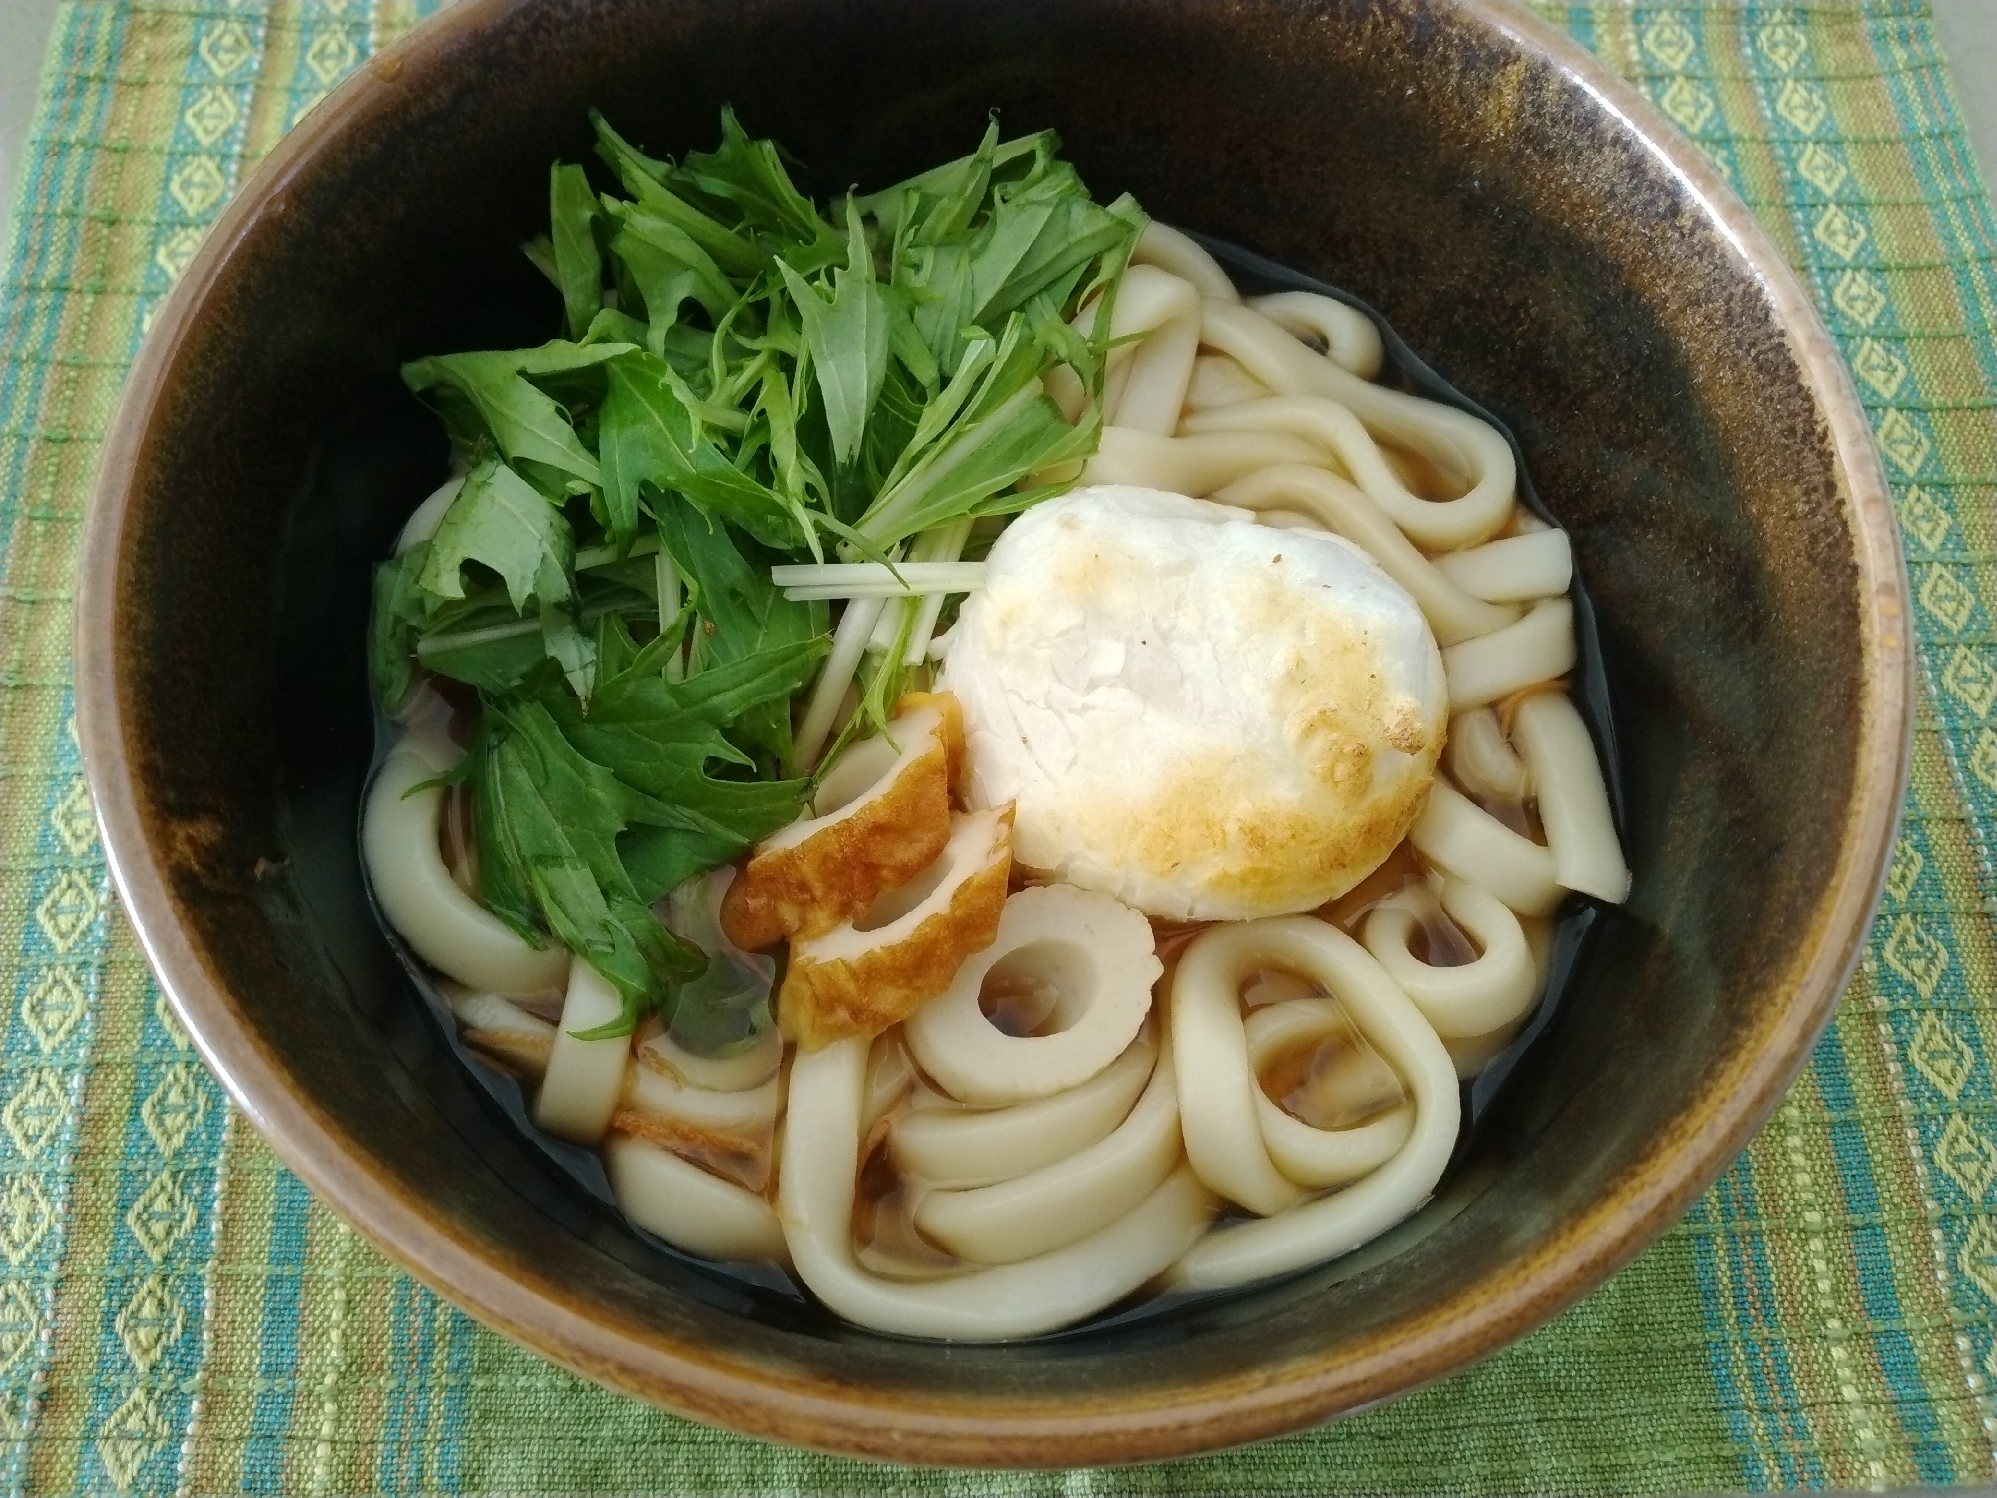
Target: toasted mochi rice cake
1209 718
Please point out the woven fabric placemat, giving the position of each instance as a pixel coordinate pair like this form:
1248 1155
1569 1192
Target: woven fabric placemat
177 1314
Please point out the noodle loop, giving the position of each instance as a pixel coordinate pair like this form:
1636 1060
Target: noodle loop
1344 509
1067 1199
446 927
1349 337
1493 992
1454 441
821 1158
1431 523
1220 1100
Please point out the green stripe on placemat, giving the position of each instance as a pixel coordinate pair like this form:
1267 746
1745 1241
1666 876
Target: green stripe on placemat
178 1315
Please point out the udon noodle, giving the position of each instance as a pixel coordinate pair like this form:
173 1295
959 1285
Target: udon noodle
1094 1103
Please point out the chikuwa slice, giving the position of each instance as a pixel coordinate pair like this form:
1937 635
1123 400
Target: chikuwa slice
881 816
1087 957
875 970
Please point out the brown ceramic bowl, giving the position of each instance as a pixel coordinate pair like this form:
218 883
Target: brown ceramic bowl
1525 220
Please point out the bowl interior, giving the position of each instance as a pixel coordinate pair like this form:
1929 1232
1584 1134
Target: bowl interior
1523 240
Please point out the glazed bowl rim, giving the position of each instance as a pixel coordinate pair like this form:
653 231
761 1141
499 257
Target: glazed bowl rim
692 1378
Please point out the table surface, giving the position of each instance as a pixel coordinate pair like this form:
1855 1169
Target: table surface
24 35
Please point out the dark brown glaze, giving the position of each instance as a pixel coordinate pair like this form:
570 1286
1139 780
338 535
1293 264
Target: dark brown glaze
1527 222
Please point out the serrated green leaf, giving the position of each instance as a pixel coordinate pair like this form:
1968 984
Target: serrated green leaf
522 420
748 614
572 215
847 334
400 609
501 521
750 174
670 269
650 432
564 814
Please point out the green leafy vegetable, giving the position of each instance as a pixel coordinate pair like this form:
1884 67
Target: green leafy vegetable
745 380
490 395
847 335
505 523
554 821
572 212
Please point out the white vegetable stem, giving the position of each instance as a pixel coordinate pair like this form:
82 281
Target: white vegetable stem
600 556
948 545
875 580
849 643
875 599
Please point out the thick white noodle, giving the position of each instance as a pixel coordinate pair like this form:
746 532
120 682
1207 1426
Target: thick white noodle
1342 507
1455 441
1313 1157
1573 800
745 1110
1538 648
890 1078
1095 954
1219 381
1513 569
1218 1091
1351 341
820 1164
689 1207
1472 999
425 518
1068 1199
1472 1053
750 1067
1288 520
1169 249
944 544
955 1147
1144 384
1481 759
443 925
744 1113
502 1028
579 1092
1467 841
1194 466
1436 524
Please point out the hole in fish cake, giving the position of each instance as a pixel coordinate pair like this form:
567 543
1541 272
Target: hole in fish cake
1040 989
897 903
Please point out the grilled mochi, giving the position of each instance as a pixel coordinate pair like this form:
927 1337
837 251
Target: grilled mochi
1208 718
880 817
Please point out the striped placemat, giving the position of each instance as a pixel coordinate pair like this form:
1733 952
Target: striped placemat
178 1315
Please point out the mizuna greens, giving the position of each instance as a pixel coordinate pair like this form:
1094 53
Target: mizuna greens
747 380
